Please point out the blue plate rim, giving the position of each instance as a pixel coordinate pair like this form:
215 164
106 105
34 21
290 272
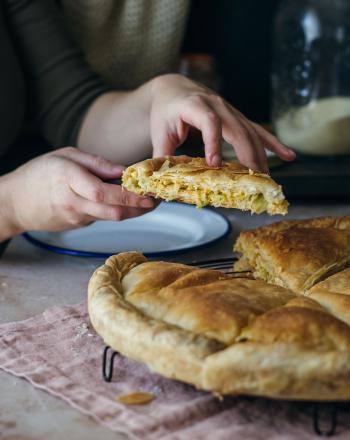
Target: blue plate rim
87 254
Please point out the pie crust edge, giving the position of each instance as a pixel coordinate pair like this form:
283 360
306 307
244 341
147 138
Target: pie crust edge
275 370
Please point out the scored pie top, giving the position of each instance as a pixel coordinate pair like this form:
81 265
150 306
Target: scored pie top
334 294
191 180
297 254
226 335
211 304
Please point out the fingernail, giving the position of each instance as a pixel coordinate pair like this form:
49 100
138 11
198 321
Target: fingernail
290 155
260 168
147 203
215 160
289 150
117 170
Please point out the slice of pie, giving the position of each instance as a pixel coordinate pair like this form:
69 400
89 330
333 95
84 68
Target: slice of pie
334 294
297 254
191 180
222 334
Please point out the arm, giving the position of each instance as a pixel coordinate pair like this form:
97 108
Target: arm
66 188
62 89
8 227
124 126
60 85
117 126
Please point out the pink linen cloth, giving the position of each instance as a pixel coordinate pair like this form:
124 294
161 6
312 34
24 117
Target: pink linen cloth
59 352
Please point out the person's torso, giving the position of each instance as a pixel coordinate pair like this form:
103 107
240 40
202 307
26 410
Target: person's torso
128 42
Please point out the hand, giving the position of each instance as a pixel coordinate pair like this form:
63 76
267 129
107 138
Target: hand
64 189
179 103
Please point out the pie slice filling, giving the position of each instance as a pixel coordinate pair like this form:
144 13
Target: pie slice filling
191 180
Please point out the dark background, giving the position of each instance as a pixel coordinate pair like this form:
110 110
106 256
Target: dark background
239 35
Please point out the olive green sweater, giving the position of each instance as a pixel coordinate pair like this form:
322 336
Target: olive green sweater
51 73
43 75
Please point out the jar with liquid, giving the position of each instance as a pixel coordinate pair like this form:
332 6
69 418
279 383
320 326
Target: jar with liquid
311 76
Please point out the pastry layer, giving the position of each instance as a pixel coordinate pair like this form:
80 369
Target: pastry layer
297 254
191 180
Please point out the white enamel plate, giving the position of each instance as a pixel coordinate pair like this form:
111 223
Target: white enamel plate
170 228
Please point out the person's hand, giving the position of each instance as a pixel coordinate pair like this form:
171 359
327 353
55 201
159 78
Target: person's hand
178 103
65 189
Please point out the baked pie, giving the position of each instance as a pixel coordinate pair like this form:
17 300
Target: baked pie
226 335
334 294
191 180
296 254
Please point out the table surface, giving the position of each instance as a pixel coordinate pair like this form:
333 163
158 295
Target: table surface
32 280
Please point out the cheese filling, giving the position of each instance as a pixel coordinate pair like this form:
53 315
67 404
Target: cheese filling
246 197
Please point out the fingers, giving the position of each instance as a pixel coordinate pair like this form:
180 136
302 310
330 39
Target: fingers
245 140
179 103
248 148
201 116
248 138
83 212
97 165
90 187
273 144
101 211
166 139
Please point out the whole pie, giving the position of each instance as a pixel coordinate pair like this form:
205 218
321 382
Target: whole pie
191 180
222 334
296 254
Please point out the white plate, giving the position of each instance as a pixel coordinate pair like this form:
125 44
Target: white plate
171 228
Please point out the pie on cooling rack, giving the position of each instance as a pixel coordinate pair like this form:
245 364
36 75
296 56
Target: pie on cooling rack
191 180
296 254
334 294
226 335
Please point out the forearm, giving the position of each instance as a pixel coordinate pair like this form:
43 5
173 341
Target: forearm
61 87
8 226
117 126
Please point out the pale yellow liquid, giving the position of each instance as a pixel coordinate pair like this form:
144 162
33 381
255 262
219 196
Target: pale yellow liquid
321 127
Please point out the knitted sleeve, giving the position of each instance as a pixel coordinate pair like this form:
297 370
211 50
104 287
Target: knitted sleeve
60 85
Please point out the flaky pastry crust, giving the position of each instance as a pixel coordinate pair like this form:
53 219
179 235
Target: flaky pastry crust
297 254
225 335
191 180
334 294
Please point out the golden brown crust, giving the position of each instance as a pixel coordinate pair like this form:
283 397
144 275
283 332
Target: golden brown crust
299 253
191 180
242 265
134 334
212 304
337 283
230 336
278 370
342 222
334 294
303 322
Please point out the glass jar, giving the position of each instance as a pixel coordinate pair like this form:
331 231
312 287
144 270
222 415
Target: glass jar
311 76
